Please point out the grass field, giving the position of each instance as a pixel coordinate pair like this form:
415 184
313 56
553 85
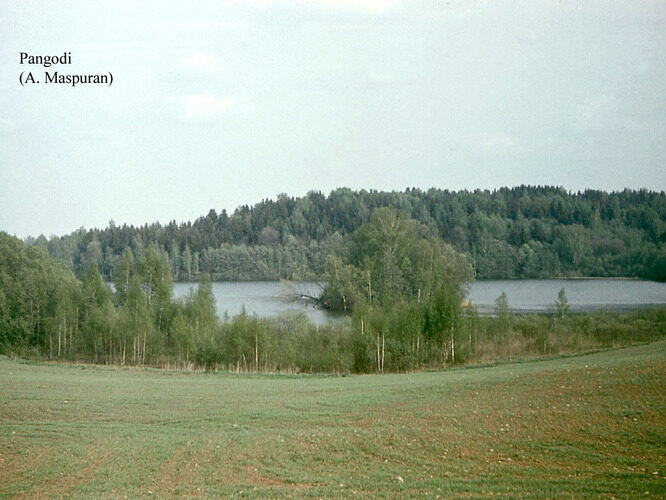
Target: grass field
591 426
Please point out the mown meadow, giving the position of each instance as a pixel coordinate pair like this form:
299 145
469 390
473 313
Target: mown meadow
584 426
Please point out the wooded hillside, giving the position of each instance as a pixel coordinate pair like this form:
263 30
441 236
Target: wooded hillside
520 232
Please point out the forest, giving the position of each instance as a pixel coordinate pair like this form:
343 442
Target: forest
508 233
402 287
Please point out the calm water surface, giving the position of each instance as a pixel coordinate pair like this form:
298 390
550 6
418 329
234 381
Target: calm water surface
582 294
263 298
270 298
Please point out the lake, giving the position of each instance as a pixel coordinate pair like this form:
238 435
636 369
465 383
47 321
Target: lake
271 298
263 298
582 294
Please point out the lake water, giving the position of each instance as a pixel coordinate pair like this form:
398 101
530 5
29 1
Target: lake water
582 294
270 298
263 298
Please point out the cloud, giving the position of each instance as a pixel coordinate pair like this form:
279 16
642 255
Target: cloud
352 6
199 25
497 143
7 125
200 105
596 113
361 6
382 78
201 61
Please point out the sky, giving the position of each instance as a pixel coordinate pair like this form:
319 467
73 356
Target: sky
225 103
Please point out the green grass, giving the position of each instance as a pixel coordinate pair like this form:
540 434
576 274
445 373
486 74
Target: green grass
589 426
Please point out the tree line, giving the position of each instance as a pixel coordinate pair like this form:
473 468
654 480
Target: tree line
401 285
519 232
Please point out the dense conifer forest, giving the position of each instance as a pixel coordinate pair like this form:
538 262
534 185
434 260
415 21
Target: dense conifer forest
520 232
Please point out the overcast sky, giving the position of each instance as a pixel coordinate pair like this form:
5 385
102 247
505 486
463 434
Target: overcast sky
219 104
